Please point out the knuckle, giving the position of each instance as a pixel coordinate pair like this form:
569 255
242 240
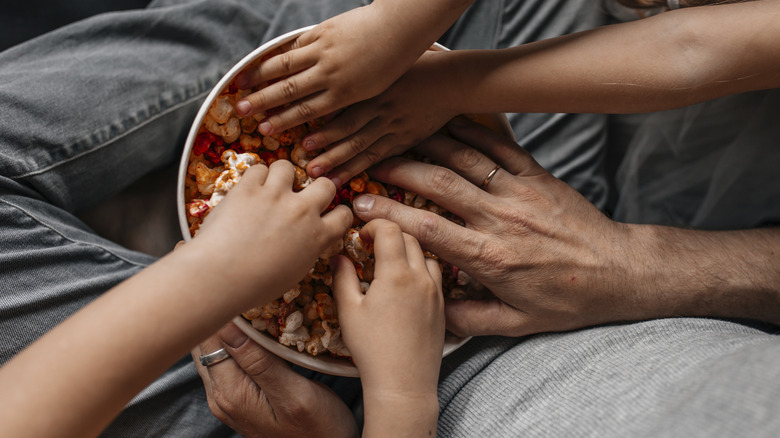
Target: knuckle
373 155
444 181
357 144
289 89
468 158
286 62
305 111
427 230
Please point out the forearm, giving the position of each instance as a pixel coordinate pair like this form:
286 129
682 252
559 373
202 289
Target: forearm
419 24
671 60
97 360
680 272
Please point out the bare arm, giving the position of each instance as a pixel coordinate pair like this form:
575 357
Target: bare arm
670 60
76 378
667 61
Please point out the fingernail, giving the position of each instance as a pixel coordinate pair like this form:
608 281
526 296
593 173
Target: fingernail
309 144
243 107
363 204
317 172
336 180
265 128
233 336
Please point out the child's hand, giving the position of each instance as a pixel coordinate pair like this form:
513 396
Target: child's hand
348 58
417 105
395 331
265 236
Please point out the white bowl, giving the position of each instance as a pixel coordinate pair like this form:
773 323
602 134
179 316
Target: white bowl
321 363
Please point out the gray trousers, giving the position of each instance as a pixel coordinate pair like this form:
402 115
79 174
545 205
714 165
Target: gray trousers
92 107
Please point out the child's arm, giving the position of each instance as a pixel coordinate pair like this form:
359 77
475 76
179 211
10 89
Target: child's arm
259 242
667 61
395 332
346 59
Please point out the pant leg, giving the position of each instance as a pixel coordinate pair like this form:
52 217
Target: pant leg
670 377
88 109
570 146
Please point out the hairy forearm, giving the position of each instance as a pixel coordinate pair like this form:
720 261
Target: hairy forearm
680 272
667 61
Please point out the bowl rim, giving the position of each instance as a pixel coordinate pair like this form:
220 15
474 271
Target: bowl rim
321 363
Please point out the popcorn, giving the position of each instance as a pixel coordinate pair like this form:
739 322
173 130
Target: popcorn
305 317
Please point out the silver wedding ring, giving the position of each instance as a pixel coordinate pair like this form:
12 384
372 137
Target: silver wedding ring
489 177
215 357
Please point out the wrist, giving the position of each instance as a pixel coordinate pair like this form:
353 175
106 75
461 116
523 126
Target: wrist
399 414
681 272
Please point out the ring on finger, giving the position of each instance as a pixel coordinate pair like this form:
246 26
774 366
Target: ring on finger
489 177
213 358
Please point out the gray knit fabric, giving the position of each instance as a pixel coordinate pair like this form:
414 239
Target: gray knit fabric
669 377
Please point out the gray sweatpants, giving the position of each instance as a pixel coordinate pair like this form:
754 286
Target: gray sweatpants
92 107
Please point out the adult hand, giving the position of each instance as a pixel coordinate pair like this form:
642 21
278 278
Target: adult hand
553 261
350 57
398 323
258 395
414 107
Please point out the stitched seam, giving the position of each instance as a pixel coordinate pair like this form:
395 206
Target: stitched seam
54 230
115 139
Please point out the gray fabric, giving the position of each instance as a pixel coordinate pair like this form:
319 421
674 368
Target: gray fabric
92 107
87 110
570 146
669 377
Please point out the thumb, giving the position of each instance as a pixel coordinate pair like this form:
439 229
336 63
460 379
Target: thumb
346 285
484 317
267 370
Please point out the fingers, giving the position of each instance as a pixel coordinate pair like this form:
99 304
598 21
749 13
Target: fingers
280 65
503 150
271 374
342 126
354 151
485 317
337 222
468 162
439 184
281 175
389 246
341 172
435 271
319 192
256 174
450 241
346 285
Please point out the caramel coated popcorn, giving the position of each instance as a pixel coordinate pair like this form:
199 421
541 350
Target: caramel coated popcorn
305 317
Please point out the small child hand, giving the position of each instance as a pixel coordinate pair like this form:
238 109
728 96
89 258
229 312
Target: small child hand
348 58
268 236
399 323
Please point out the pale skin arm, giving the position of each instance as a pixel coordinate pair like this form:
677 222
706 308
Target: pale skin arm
76 379
667 61
395 332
